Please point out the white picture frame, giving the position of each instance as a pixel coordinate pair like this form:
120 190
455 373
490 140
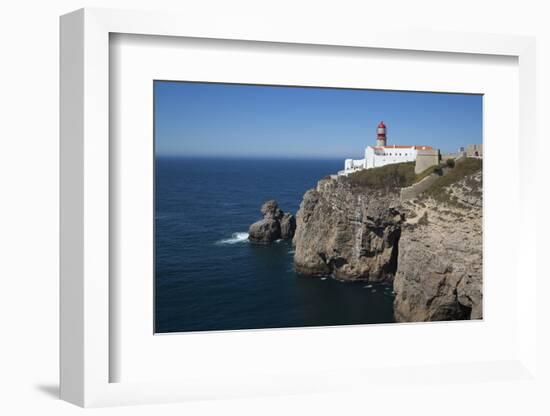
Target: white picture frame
86 166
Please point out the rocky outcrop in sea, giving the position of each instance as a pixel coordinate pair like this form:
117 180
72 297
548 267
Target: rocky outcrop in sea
275 224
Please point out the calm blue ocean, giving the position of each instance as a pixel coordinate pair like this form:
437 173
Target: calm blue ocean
209 277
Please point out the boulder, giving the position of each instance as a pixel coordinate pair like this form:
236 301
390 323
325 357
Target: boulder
288 226
265 231
271 210
275 224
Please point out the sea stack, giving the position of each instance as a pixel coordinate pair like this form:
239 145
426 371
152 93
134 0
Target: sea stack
275 224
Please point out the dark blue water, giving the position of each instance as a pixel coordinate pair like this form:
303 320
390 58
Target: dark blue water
209 277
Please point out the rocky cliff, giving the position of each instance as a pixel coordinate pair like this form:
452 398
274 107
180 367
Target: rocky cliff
430 247
347 232
439 273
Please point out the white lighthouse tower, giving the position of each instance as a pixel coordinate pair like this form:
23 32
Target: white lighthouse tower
381 135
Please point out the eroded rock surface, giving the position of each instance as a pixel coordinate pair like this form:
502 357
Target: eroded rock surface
439 273
348 233
288 226
275 225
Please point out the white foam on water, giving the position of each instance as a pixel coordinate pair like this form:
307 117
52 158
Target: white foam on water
235 238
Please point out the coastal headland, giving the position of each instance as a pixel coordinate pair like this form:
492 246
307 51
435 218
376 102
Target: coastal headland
428 245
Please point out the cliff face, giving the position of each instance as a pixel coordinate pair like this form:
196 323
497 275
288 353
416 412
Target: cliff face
430 247
348 233
439 273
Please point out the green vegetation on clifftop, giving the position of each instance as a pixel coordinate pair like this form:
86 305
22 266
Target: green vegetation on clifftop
389 177
462 169
400 175
428 172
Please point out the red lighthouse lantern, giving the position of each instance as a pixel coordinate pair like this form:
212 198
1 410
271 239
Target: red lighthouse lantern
381 134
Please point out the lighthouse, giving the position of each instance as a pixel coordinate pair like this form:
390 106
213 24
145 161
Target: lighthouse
381 134
382 154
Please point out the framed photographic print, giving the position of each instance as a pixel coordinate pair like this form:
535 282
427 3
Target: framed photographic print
258 222
271 212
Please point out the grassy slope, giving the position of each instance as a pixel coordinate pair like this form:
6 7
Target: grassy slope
399 175
391 177
462 169
427 172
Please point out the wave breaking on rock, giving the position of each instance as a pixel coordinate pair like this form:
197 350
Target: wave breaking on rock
235 238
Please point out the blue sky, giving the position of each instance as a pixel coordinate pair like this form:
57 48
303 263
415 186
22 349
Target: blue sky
231 120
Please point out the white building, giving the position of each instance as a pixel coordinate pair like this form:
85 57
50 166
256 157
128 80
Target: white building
382 154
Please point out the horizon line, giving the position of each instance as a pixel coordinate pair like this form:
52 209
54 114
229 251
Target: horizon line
301 157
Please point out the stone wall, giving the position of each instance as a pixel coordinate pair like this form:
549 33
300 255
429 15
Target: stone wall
474 150
416 189
426 158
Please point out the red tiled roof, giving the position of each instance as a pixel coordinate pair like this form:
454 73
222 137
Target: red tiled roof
395 146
